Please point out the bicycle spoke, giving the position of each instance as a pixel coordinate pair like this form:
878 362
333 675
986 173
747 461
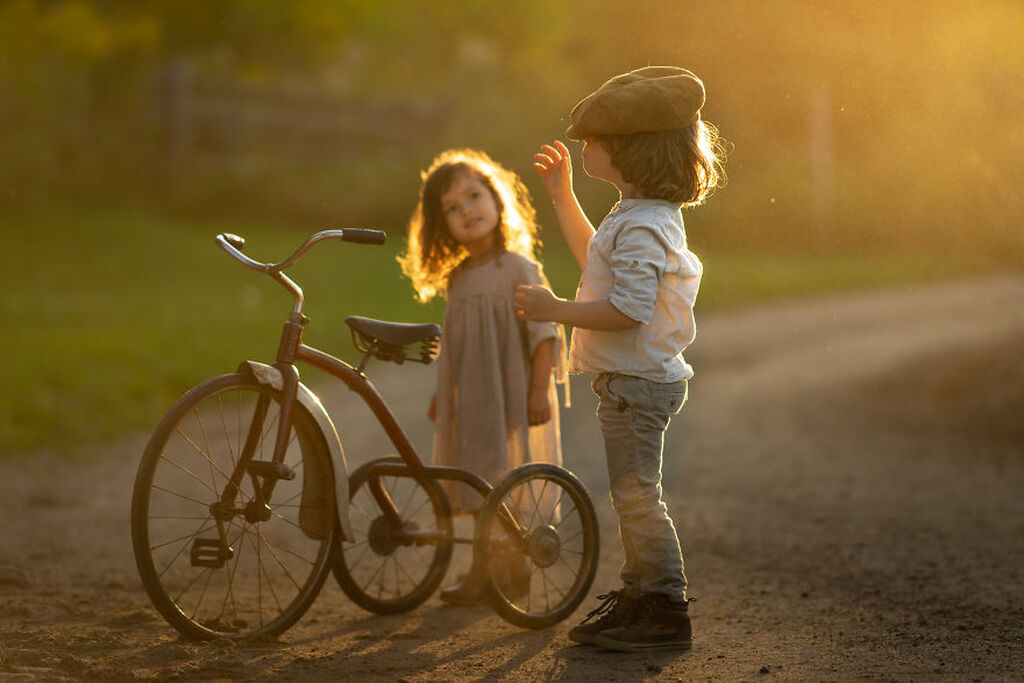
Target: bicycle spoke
270 424
533 510
416 513
419 553
201 503
566 517
189 536
359 508
572 538
229 594
274 548
224 426
202 593
201 452
188 472
374 576
568 566
367 550
259 542
206 443
408 500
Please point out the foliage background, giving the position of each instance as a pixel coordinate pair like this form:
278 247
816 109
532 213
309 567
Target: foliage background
871 142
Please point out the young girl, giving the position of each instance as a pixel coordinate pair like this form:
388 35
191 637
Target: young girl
472 239
633 317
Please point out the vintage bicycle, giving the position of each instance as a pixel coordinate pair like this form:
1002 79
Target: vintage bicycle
242 503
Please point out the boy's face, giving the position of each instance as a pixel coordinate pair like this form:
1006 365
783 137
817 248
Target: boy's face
470 212
598 164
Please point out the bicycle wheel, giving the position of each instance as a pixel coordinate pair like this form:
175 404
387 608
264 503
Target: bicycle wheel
387 569
233 566
537 576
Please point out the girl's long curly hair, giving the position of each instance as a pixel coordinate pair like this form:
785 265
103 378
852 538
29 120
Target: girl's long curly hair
432 253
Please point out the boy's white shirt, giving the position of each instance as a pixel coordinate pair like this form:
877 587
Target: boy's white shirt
638 260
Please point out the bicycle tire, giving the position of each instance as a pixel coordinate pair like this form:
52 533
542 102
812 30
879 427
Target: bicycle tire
376 569
540 580
268 572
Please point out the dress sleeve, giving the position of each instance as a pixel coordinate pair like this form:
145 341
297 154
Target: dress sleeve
536 332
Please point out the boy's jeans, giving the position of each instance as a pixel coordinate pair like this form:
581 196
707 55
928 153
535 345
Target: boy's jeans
634 414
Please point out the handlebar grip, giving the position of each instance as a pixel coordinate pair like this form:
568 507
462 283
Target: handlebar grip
234 240
364 235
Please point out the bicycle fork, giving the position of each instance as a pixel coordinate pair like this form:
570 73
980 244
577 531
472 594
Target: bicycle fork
215 552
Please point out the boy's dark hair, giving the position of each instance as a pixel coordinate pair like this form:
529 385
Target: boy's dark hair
682 165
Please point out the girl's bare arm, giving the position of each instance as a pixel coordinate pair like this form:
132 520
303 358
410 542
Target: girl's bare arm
538 405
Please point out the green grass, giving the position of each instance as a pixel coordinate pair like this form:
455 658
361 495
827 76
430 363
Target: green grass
112 314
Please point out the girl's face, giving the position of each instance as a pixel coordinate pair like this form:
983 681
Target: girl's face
471 213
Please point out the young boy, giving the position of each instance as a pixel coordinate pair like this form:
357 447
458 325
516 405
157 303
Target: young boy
633 316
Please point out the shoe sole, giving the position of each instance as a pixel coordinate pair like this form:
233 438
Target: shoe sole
464 599
622 646
584 639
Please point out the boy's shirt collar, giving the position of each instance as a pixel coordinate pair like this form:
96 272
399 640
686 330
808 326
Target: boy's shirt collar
624 204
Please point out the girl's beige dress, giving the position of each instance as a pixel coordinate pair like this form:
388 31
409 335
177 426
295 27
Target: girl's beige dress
484 377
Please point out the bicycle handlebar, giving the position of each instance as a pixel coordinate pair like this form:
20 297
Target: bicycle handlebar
233 245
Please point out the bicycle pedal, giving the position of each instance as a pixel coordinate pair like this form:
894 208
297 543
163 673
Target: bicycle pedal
270 470
210 552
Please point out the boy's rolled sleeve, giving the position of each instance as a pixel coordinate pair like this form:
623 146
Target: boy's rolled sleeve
637 264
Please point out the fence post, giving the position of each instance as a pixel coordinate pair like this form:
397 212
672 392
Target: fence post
177 124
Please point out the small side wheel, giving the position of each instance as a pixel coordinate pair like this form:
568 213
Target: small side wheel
391 567
231 545
541 566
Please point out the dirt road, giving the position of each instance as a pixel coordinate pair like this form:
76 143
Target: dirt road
846 480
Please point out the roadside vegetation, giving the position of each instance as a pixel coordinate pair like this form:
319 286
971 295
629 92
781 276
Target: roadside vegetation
115 313
870 144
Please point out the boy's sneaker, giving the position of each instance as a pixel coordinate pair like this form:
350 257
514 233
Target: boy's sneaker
614 611
657 623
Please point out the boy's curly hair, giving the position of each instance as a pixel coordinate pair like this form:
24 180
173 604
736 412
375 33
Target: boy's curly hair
432 253
681 165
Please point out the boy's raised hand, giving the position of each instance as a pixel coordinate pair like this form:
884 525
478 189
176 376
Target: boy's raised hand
554 165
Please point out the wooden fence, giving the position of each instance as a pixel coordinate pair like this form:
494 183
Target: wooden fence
202 119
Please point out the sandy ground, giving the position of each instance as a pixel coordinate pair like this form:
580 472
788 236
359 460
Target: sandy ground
846 480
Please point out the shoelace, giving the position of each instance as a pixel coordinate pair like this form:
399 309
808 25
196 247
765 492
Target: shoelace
651 605
611 601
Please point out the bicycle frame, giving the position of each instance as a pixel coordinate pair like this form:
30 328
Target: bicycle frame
291 350
217 459
359 383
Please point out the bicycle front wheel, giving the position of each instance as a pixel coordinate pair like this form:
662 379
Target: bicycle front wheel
541 568
229 543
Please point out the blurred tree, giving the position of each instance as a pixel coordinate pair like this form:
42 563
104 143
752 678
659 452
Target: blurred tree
855 124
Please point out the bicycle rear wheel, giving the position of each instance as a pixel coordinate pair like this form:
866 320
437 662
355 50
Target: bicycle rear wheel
219 565
388 568
538 574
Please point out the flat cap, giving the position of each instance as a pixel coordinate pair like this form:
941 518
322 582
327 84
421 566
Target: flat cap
649 99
